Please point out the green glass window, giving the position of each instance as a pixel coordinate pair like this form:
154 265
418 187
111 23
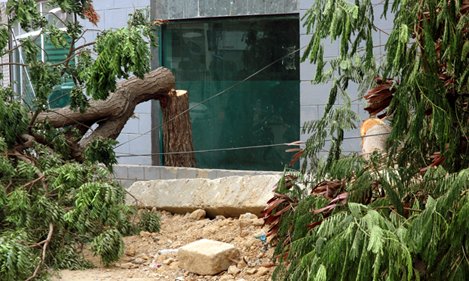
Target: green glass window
211 55
60 95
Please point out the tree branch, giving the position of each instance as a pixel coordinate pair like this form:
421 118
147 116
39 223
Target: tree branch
111 114
44 249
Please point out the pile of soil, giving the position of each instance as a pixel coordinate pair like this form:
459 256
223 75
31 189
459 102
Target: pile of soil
147 257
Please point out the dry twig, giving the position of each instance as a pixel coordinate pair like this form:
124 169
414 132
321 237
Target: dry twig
44 248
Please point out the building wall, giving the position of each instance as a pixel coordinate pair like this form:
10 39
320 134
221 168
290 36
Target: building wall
314 97
193 9
114 14
5 69
184 9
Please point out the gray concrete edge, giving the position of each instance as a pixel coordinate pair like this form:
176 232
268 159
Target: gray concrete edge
128 174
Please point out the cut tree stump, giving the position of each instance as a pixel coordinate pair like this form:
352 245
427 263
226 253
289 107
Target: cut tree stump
177 130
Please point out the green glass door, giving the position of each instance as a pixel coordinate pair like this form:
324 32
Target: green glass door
208 57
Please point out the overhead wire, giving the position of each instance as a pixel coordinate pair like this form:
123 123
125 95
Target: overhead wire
217 95
296 143
222 92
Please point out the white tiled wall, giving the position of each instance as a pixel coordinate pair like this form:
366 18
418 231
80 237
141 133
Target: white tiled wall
114 14
5 69
314 97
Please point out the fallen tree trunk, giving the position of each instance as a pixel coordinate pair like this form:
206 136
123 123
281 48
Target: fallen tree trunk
177 130
111 114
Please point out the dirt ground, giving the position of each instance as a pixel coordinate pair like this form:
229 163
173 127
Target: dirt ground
143 261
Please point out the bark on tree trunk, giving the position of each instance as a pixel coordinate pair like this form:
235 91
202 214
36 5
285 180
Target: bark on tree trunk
177 130
111 114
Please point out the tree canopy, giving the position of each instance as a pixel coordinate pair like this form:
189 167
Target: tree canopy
50 204
403 214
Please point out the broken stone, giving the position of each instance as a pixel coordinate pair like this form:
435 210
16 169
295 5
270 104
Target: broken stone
248 243
145 234
248 216
197 214
174 265
130 251
226 278
261 271
168 261
233 270
251 271
144 256
138 261
258 222
154 265
127 265
241 264
127 259
207 257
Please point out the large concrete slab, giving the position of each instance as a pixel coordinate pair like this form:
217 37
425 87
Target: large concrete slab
229 196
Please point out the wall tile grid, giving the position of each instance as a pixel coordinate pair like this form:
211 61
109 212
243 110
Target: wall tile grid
5 69
314 97
114 14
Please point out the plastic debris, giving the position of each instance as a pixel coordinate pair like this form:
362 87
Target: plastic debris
167 251
154 265
263 239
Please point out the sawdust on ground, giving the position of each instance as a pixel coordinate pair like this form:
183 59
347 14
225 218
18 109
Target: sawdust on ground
143 262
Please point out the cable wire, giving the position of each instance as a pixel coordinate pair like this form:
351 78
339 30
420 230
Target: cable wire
216 95
297 143
225 91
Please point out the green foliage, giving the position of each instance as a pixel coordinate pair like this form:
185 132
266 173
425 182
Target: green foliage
67 258
57 37
56 139
4 36
108 245
78 100
384 239
120 52
361 237
26 13
95 207
402 215
149 221
101 151
82 203
68 6
44 77
17 259
14 118
50 204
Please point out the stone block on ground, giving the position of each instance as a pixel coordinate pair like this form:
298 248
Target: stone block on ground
230 196
207 257
198 214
